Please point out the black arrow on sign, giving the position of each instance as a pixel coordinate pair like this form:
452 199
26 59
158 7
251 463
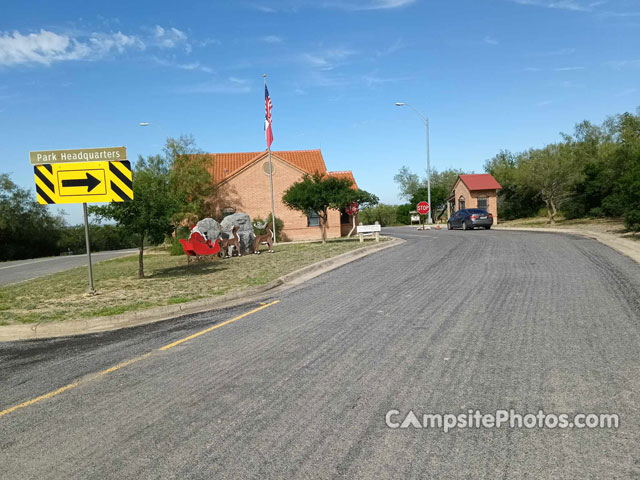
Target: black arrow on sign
90 182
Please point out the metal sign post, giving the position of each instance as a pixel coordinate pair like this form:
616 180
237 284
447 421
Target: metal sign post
92 290
95 175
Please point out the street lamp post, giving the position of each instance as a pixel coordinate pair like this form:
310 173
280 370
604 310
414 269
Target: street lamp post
426 122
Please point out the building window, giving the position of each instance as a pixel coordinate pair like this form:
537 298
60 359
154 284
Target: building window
461 203
483 202
226 211
313 220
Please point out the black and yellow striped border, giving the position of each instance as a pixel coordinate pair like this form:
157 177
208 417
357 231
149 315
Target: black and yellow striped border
118 176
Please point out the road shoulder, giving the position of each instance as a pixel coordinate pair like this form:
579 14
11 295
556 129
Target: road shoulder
626 246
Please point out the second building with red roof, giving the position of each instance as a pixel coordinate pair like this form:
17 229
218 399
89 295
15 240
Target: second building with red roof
474 191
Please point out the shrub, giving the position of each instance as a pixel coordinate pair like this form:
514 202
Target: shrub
175 248
384 214
632 220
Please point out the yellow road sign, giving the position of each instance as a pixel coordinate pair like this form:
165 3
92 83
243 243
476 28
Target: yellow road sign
86 182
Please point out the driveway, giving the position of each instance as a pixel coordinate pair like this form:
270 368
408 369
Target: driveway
447 323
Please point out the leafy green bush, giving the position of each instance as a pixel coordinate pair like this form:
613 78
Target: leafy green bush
632 220
386 215
175 247
102 237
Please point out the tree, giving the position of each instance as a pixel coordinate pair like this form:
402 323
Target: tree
408 182
190 179
385 215
149 216
415 189
628 157
515 200
27 229
318 193
552 172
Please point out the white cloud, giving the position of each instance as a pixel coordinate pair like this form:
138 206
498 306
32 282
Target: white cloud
568 69
572 5
47 47
568 84
557 53
626 92
490 40
620 64
231 85
327 59
272 39
170 38
192 66
393 48
544 103
273 6
369 4
372 79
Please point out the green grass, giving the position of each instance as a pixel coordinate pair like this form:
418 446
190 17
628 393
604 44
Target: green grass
169 281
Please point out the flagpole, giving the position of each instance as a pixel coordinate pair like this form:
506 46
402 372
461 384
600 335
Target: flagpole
273 211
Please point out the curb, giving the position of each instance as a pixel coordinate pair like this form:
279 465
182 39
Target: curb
11 333
625 246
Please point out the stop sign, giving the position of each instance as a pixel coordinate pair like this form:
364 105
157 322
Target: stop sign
423 208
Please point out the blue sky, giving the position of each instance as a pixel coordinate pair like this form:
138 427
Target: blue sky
490 74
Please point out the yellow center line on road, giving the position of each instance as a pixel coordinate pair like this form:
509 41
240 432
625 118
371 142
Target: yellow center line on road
191 337
120 365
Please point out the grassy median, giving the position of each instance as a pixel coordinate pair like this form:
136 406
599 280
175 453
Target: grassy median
63 296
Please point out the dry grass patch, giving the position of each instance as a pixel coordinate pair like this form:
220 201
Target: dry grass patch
63 296
603 225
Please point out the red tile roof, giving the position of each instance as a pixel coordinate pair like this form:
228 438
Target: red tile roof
480 181
345 174
224 165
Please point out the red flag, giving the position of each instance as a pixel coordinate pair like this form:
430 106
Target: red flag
267 117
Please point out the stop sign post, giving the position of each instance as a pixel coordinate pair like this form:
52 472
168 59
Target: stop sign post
423 209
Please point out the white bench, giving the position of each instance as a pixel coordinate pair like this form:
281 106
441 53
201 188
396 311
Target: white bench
369 230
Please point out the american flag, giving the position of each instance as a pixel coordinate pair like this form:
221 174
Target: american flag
267 117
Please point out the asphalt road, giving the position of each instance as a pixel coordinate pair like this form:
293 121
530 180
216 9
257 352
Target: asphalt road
21 270
447 322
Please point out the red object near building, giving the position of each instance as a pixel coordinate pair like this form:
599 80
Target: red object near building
423 208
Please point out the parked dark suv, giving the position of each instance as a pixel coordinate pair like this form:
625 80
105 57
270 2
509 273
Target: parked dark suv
470 218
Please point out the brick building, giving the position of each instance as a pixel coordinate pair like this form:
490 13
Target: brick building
243 180
475 191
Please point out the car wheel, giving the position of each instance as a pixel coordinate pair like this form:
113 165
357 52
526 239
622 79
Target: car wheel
464 225
488 227
449 227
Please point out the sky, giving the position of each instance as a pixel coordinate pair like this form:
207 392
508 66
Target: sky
489 75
